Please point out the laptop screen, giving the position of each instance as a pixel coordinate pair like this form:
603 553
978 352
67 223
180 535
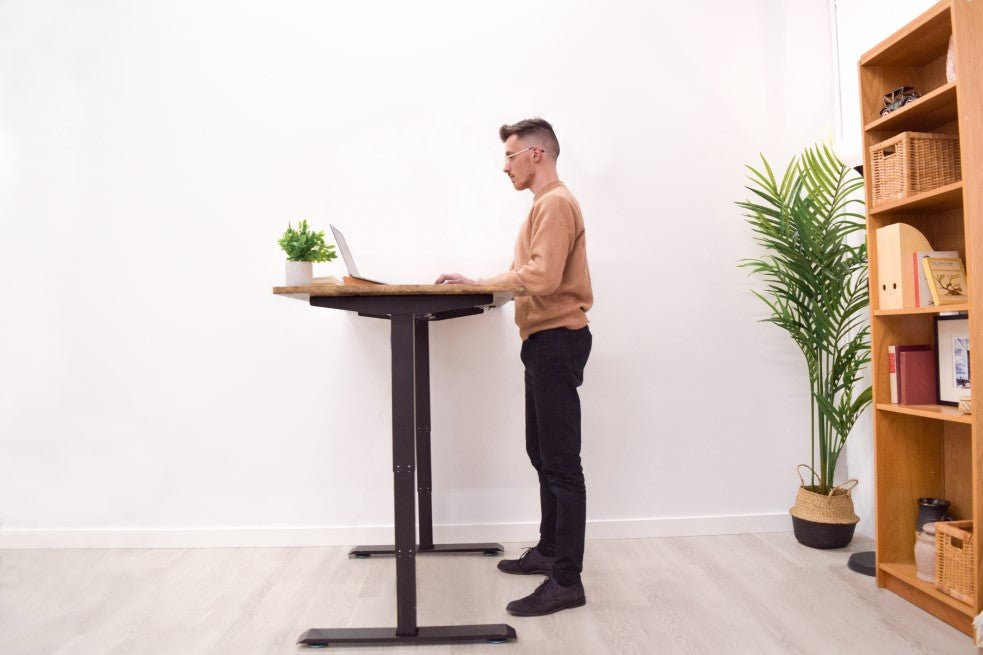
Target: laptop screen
346 254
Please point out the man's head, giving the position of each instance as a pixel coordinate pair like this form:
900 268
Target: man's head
531 150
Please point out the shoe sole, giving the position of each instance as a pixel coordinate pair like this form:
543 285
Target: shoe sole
580 602
531 572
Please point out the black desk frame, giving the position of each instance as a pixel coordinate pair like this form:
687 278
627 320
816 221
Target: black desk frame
409 316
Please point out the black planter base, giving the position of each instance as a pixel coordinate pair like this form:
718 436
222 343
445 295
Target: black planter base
823 535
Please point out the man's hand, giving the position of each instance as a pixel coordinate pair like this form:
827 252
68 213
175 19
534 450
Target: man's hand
454 278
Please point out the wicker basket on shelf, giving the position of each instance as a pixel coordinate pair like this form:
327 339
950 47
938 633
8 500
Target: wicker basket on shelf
912 163
955 548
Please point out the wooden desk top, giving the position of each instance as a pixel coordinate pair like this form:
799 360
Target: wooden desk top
502 293
401 289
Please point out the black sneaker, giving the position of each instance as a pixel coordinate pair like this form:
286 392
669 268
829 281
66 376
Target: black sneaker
529 562
549 597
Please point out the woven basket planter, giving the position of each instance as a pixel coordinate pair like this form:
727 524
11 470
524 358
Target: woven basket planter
824 520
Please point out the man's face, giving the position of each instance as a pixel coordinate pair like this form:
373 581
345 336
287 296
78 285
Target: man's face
519 164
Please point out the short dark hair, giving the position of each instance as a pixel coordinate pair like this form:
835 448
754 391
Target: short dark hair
537 128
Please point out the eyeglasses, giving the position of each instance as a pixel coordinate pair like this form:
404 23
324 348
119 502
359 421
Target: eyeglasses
509 158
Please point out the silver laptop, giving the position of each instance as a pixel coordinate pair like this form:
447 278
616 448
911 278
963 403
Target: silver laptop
346 254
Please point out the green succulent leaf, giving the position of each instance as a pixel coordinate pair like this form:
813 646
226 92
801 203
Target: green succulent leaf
304 245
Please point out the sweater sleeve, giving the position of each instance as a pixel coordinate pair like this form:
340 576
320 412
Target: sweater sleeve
551 241
548 252
508 277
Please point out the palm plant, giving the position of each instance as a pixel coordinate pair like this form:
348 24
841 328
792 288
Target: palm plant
816 287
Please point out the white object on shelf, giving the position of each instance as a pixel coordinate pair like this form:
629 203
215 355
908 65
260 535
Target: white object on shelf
299 274
925 553
950 62
966 404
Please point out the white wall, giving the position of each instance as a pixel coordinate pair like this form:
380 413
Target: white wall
153 391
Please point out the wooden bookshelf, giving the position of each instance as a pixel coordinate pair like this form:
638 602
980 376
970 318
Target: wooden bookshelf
927 450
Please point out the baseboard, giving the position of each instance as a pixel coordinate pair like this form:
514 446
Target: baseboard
19 538
688 526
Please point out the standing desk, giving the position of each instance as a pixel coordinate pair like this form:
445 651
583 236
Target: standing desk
409 309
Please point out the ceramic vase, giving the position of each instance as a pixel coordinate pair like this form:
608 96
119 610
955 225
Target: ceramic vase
299 274
931 510
925 553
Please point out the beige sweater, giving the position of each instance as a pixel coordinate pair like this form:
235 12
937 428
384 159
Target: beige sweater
551 263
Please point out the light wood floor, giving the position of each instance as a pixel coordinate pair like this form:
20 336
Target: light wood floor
728 594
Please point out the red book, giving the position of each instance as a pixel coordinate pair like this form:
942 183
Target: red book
916 377
892 364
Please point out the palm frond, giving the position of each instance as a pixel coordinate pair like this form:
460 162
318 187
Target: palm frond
816 284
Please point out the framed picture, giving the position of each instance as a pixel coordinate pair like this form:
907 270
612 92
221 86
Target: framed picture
952 357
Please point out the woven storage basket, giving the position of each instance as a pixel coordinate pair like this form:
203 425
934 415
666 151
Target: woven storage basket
835 507
955 550
912 163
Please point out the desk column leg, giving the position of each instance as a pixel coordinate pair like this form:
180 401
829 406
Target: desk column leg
404 475
424 475
419 354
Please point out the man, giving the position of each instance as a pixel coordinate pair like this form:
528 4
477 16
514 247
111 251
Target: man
551 263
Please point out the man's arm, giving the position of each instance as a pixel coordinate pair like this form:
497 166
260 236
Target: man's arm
540 275
549 248
548 251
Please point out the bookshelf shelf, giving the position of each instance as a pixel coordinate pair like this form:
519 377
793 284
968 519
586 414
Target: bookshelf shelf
937 412
901 578
927 450
937 200
931 111
915 311
917 43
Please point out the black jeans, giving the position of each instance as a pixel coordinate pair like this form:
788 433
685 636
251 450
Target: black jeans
554 361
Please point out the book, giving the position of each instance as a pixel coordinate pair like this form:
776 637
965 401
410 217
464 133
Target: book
351 279
892 365
946 279
923 296
916 377
895 265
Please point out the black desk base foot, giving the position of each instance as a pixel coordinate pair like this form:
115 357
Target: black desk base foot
487 549
438 634
863 562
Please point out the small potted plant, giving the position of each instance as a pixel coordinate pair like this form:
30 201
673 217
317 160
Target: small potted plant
304 247
816 277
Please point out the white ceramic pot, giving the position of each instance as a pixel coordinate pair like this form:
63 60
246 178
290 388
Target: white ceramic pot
299 274
925 553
